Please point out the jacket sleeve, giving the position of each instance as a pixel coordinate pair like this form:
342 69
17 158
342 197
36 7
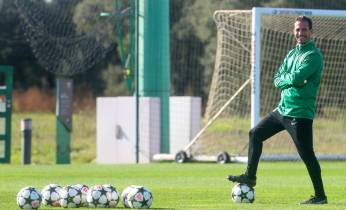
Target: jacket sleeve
278 81
298 77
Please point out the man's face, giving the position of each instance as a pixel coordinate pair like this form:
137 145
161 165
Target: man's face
302 31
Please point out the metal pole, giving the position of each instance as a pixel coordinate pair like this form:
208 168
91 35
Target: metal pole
154 60
26 128
137 82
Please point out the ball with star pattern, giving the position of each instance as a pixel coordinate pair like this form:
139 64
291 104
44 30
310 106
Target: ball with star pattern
84 190
29 198
97 197
50 195
112 195
242 193
124 194
139 198
70 197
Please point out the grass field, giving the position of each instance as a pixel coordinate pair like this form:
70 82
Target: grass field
281 185
83 143
226 134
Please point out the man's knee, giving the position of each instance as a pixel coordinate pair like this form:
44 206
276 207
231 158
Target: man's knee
253 135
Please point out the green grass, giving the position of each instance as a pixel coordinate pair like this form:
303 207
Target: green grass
83 139
225 134
174 186
281 185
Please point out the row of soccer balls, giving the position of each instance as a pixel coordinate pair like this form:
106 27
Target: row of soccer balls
79 195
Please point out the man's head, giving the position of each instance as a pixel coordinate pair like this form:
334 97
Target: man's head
302 29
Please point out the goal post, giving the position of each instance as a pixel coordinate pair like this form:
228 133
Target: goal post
255 67
253 44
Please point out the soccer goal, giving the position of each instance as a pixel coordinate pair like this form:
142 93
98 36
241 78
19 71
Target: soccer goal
252 44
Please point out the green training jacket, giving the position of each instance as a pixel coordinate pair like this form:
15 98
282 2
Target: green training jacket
299 78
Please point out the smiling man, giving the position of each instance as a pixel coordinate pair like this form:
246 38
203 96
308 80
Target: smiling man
298 79
302 29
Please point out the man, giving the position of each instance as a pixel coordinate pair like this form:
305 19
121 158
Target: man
298 78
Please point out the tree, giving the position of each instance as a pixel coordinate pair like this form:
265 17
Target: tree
193 44
108 31
15 51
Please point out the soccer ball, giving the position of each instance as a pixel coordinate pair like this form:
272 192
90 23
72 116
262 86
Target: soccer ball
125 193
112 195
242 193
97 197
84 190
139 198
29 198
70 197
50 195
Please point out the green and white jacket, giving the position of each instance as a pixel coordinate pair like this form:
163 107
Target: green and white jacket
299 79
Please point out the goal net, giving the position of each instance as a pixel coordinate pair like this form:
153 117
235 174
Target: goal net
59 40
252 44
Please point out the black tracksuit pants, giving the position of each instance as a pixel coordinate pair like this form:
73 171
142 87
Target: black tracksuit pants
300 129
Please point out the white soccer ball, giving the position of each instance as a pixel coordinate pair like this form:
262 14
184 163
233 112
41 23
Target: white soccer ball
29 198
139 198
124 194
97 197
112 195
50 195
70 197
242 193
84 190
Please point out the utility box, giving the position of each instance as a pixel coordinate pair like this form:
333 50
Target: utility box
185 119
116 129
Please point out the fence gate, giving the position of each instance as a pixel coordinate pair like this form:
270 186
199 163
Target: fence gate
6 83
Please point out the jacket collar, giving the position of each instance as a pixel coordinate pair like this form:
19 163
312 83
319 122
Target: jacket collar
305 45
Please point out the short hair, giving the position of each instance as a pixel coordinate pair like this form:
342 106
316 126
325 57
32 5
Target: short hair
304 18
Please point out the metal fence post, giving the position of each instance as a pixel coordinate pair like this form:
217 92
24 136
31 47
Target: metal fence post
26 128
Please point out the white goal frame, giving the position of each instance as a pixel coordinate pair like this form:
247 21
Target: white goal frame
257 13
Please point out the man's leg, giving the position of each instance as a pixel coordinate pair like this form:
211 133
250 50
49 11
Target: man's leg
266 128
302 135
269 126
